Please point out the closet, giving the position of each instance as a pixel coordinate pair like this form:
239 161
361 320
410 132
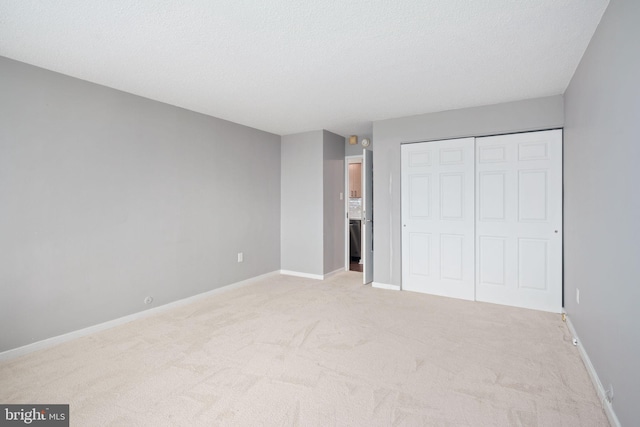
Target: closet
482 219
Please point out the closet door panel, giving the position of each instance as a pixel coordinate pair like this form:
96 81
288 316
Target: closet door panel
519 220
438 218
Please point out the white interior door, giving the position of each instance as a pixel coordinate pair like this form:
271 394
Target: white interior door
437 191
367 217
519 220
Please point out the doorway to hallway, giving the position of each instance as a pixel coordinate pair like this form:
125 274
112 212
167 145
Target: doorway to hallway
359 213
354 213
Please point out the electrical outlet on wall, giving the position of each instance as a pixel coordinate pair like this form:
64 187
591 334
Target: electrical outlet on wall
608 394
240 257
578 295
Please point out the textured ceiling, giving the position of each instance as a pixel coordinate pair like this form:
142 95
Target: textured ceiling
288 66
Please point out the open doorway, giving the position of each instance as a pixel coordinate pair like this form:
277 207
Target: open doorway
353 190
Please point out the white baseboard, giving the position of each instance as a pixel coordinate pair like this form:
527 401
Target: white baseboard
311 276
333 273
50 342
299 274
385 286
608 407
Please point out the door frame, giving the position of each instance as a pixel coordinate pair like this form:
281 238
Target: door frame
367 217
348 160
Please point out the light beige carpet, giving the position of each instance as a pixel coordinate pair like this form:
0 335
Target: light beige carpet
290 351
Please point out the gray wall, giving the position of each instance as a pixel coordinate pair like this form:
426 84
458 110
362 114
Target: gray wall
302 203
107 197
312 240
602 204
334 208
533 114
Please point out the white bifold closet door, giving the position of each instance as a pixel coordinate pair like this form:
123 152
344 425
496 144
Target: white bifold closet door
438 218
482 219
519 220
